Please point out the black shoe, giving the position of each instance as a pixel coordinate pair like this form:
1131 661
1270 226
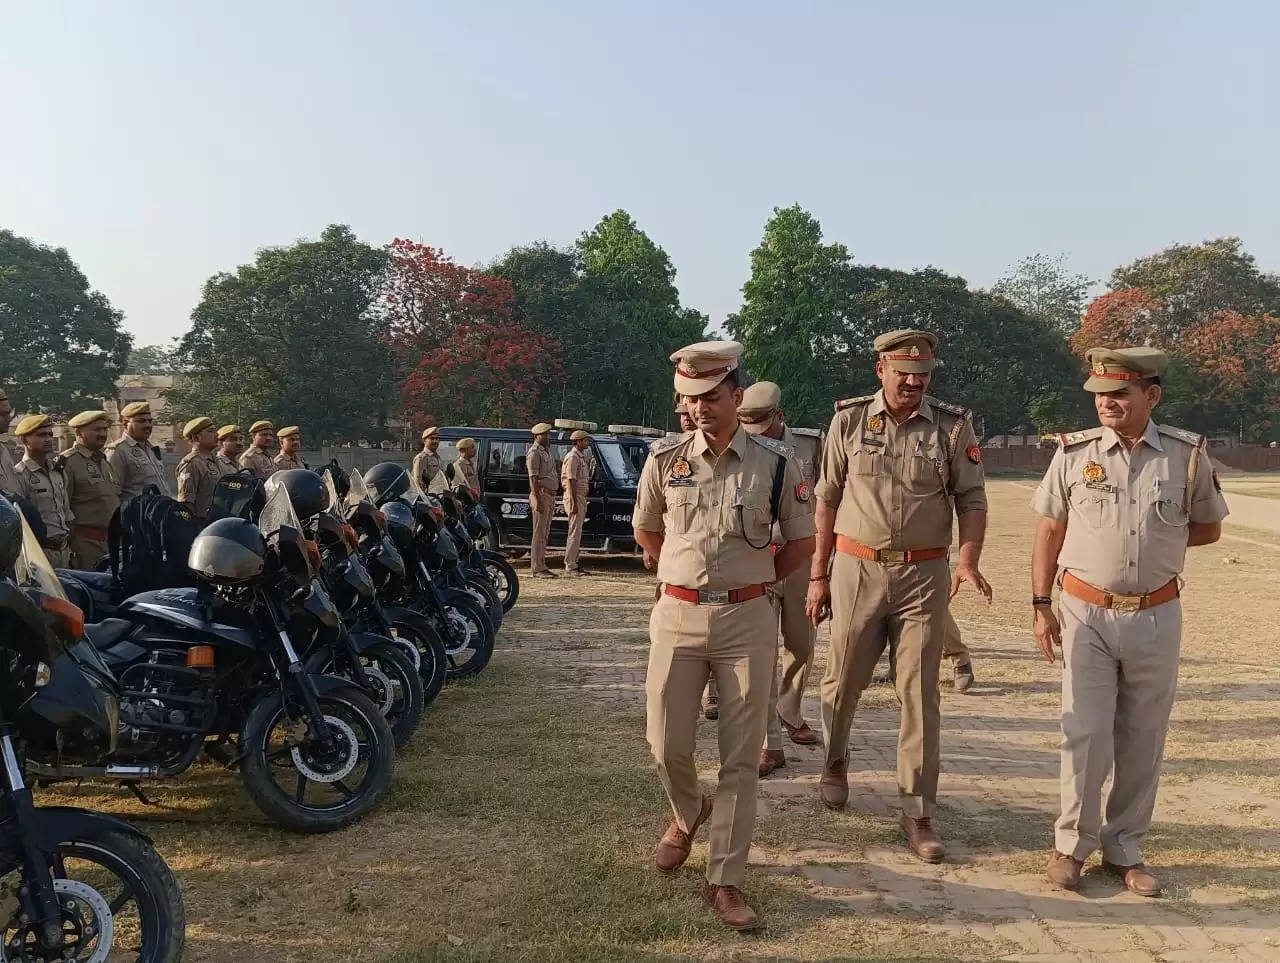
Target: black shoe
964 676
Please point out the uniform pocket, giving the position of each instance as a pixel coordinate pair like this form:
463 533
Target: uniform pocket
1097 508
1167 504
682 508
752 507
866 461
922 473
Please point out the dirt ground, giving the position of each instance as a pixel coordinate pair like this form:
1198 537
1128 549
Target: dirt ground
524 814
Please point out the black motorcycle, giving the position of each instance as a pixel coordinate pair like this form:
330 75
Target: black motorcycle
79 886
216 668
502 575
470 573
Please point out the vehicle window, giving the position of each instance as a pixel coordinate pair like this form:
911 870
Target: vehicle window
617 463
506 457
448 451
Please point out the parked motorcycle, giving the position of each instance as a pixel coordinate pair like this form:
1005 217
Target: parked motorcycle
502 575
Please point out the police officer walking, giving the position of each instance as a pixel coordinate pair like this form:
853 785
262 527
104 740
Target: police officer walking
1119 505
575 477
7 463
40 481
134 461
257 458
290 454
705 509
426 463
894 463
761 415
464 472
543 482
198 471
92 492
230 447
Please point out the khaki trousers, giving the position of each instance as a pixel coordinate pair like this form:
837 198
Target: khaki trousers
58 557
872 604
798 634
85 552
573 542
953 646
1119 679
736 645
541 530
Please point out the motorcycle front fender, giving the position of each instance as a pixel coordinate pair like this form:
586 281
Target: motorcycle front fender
50 825
363 641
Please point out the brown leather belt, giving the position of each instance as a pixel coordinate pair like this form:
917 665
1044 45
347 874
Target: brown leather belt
92 532
847 545
56 544
715 596
1121 603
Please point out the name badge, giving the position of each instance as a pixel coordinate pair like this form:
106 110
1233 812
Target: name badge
681 483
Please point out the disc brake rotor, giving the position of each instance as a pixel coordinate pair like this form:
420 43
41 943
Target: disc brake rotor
460 634
410 650
347 749
386 689
92 929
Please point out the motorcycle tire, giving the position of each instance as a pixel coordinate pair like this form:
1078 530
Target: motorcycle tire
416 632
482 590
265 758
468 636
404 704
504 578
156 933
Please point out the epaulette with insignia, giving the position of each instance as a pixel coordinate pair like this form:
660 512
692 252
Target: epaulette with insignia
665 444
1075 437
850 402
775 446
807 432
1190 437
946 406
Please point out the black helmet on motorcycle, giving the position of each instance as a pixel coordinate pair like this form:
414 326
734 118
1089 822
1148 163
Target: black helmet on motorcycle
386 481
464 496
307 491
450 505
10 534
399 523
230 550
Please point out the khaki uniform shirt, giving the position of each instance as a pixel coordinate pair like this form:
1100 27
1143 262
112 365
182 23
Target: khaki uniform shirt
693 498
8 481
92 491
257 461
542 469
574 473
136 465
225 465
197 474
46 489
426 465
466 473
808 453
892 485
283 462
1127 510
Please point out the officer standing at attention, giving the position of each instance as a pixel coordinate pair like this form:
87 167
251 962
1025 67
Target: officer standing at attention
464 471
543 483
230 446
894 463
290 455
134 461
198 471
1118 507
761 415
705 509
426 463
257 459
8 482
92 492
40 481
575 478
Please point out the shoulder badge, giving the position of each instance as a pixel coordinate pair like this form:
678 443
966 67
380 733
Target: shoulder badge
875 424
775 446
946 406
1076 437
850 402
1190 437
807 432
680 468
665 444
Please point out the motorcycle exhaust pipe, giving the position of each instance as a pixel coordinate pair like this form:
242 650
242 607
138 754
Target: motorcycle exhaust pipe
111 769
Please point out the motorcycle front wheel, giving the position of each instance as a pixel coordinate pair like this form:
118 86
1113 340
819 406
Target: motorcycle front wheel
309 787
481 589
415 632
503 576
119 901
395 688
468 636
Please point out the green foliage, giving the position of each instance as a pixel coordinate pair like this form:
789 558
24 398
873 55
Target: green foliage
61 344
152 359
1047 290
291 337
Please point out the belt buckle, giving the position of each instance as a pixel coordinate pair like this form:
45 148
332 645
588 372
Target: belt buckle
714 597
1126 603
892 558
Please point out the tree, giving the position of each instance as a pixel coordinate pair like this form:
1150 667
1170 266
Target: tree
1047 290
152 359
794 309
61 344
294 337
1123 318
1237 357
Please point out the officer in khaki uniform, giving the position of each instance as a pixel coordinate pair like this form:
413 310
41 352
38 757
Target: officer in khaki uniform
575 478
230 447
543 482
426 463
1119 505
7 462
464 472
257 458
92 492
198 471
290 454
894 464
134 461
705 509
40 481
761 414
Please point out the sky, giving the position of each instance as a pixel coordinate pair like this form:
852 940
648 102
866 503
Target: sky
161 143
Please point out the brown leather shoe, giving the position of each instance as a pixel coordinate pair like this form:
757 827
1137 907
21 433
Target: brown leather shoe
729 905
801 735
771 759
922 839
673 847
833 787
711 708
1064 871
1137 878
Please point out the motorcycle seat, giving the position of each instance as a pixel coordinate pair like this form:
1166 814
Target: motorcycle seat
103 583
108 632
